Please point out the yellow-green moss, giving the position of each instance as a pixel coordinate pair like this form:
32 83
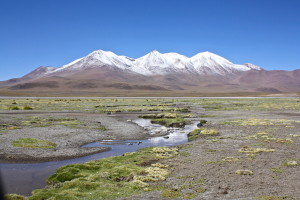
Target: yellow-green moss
244 172
108 178
14 197
196 133
32 143
252 150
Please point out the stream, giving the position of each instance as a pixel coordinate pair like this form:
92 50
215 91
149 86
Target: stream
23 178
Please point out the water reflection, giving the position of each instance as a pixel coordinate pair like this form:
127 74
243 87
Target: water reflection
23 178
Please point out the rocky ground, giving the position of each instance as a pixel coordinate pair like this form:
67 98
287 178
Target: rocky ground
78 129
217 168
254 156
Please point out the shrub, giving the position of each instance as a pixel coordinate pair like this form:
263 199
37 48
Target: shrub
14 108
27 108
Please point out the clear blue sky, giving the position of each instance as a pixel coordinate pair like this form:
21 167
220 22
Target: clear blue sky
37 33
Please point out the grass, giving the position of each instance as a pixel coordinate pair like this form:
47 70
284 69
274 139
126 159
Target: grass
32 143
195 134
14 108
51 121
168 119
171 122
109 178
266 137
244 172
290 163
188 188
252 150
151 104
14 197
258 122
26 107
165 115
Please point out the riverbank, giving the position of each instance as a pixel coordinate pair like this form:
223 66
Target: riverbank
253 156
68 131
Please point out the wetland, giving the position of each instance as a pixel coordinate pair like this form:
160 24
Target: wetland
150 148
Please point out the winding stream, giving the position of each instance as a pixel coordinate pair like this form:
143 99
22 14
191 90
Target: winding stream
23 178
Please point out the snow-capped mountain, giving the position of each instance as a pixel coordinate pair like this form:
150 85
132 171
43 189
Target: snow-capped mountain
155 63
105 73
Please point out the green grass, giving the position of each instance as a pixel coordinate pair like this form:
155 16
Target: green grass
108 178
95 105
26 107
32 143
51 121
170 122
14 197
259 122
164 115
200 132
153 104
14 108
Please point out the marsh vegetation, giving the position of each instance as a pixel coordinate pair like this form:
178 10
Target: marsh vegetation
247 149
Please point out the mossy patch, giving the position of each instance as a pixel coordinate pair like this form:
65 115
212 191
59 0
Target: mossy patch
290 163
27 107
13 197
164 115
244 172
196 133
32 143
252 150
266 137
258 122
170 122
33 121
171 193
108 178
14 108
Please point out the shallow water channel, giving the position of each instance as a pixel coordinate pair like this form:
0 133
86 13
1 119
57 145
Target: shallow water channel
23 178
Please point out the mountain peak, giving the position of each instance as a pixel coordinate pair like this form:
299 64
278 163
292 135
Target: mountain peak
154 51
153 63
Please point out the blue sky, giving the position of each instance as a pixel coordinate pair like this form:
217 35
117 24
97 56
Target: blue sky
55 32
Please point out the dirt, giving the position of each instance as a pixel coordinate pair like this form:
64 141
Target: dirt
199 171
68 139
202 160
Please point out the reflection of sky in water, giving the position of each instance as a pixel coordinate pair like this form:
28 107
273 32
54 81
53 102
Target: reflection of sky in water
175 137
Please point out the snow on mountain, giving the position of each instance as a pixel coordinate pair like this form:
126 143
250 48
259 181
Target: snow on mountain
155 63
251 66
211 63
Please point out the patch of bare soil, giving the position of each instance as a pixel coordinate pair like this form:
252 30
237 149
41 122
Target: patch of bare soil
69 131
227 167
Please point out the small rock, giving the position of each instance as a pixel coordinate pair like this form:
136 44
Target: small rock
199 125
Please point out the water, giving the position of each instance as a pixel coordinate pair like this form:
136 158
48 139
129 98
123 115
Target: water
23 178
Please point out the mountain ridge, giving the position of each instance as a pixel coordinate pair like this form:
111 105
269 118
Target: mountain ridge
163 73
155 63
